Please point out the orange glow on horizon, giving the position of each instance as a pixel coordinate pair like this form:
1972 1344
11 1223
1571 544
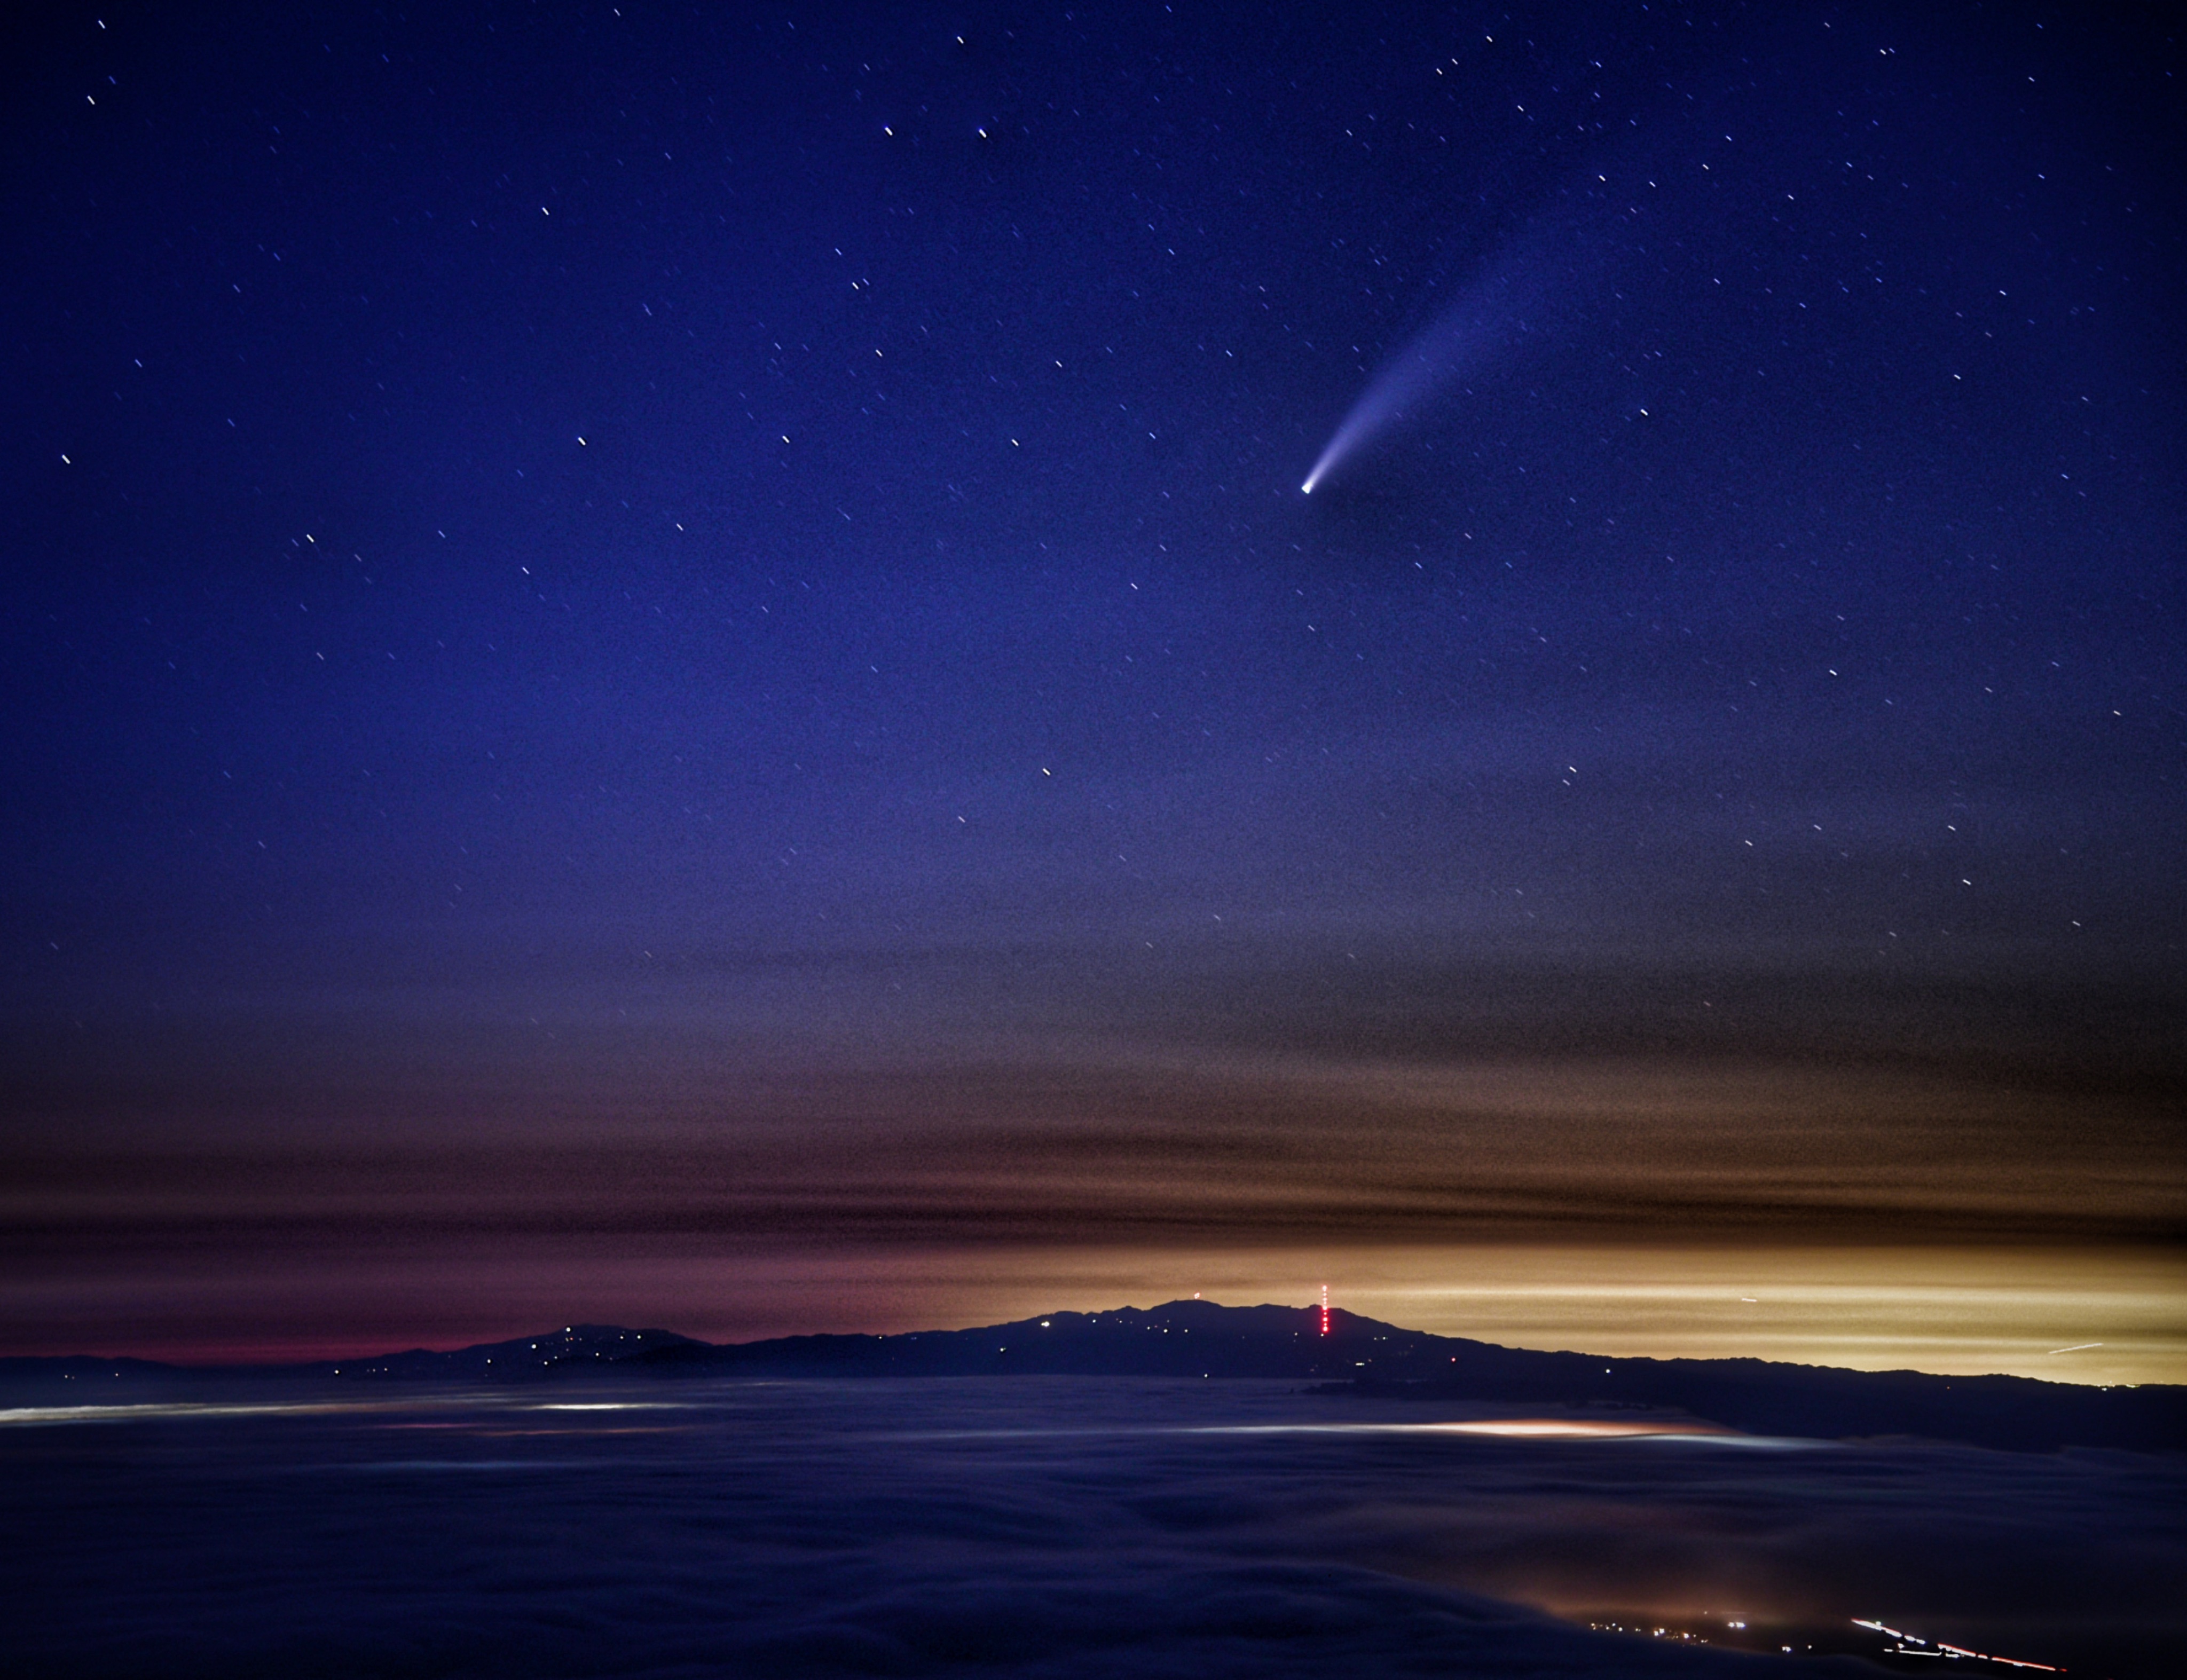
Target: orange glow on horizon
2095 1315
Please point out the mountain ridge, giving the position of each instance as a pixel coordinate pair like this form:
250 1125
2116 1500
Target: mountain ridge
1356 1355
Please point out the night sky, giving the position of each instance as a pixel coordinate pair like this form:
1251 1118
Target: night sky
670 661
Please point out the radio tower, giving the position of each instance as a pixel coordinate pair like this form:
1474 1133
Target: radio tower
1325 1309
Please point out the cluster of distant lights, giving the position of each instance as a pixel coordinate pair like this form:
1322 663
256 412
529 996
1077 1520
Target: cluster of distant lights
1655 1633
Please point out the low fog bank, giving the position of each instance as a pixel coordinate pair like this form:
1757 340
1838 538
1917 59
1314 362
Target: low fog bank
1051 1526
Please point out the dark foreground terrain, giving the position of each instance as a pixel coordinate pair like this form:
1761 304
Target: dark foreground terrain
618 1503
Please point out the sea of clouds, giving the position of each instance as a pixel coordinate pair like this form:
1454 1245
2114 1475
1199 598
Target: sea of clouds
1038 1528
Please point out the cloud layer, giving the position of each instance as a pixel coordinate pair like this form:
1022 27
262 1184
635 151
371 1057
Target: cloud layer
1048 1527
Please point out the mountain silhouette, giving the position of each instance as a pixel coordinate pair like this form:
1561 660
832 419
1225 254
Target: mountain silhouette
1202 1339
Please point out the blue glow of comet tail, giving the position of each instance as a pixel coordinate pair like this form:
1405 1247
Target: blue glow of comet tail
1428 363
1479 325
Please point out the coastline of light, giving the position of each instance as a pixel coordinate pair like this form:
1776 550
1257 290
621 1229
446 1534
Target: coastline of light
149 1410
1532 1429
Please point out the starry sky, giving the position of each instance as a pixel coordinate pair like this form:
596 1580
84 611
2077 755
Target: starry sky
674 655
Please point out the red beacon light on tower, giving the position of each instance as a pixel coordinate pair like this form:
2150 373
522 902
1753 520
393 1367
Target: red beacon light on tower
1325 1309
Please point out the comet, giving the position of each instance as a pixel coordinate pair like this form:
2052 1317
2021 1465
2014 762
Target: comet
1460 341
1551 277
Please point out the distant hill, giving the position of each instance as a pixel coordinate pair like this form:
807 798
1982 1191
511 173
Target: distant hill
573 1348
1200 1339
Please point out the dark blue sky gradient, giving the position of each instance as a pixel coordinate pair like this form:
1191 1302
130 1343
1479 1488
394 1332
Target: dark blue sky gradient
561 560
